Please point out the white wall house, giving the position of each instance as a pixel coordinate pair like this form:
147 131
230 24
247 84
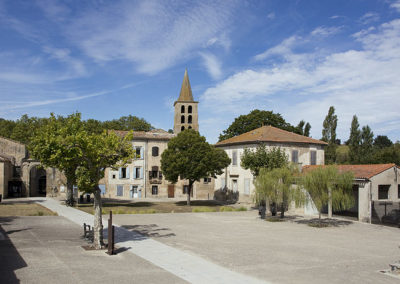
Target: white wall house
300 149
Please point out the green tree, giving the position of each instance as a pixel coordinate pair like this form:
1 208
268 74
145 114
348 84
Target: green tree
307 129
96 153
263 158
52 146
190 157
253 120
366 145
6 127
342 154
25 128
326 185
354 141
329 135
276 186
382 141
127 123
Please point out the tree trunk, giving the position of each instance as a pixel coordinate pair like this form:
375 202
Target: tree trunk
283 210
70 190
98 224
188 193
330 203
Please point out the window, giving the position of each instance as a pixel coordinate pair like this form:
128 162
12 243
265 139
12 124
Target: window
123 173
120 190
185 189
113 176
190 119
182 109
154 190
313 157
398 191
182 128
189 127
295 156
138 173
102 189
160 175
139 152
182 119
154 151
234 158
383 191
234 185
154 172
207 180
190 109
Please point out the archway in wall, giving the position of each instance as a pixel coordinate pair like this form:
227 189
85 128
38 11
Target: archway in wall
38 181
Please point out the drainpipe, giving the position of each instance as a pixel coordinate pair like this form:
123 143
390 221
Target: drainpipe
370 201
145 167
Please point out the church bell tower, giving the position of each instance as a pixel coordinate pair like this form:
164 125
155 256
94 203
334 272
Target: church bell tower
186 113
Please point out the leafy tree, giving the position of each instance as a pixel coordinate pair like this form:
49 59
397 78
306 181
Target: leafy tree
276 186
326 185
190 157
25 127
263 158
354 141
52 146
6 127
303 128
307 129
329 135
388 155
342 154
129 122
98 152
253 120
366 145
382 141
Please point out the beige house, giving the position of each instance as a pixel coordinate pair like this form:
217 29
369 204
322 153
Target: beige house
143 178
300 149
376 192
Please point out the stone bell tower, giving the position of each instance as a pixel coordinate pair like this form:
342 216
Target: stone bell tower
186 113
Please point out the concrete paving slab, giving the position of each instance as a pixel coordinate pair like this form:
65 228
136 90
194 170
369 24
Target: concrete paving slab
48 249
284 252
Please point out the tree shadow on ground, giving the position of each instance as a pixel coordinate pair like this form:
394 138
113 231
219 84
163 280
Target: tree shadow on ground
326 222
200 203
150 231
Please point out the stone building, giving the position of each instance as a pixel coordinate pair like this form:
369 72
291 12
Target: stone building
238 181
143 178
21 176
376 190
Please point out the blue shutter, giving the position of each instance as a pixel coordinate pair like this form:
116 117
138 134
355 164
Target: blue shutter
134 172
120 173
141 172
141 153
127 172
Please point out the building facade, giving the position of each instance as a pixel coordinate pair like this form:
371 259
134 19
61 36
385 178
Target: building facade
238 181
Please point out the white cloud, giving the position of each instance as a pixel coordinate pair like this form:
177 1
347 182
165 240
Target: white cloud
363 82
153 35
396 5
325 31
212 64
271 16
369 17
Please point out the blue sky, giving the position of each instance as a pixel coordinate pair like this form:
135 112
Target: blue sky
107 59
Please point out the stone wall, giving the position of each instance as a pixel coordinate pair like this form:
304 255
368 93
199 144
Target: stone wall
14 149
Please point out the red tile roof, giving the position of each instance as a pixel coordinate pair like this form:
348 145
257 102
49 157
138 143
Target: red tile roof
269 134
359 171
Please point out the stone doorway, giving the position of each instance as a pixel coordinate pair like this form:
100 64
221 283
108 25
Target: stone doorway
171 191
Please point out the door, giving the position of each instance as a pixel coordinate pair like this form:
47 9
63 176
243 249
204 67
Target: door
171 191
234 185
135 191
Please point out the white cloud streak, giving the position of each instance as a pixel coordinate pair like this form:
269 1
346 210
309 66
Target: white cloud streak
212 64
363 82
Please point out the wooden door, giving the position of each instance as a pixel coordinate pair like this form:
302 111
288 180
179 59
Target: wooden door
171 191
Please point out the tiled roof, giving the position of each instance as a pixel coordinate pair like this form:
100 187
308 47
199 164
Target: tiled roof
359 171
156 134
269 134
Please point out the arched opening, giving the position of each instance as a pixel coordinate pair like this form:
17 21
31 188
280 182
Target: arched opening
189 127
190 109
182 109
182 119
37 186
190 119
182 128
154 151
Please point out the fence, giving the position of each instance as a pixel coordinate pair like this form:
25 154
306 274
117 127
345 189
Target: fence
386 212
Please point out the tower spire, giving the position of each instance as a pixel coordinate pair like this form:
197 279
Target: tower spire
186 91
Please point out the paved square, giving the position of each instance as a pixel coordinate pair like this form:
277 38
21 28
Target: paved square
283 252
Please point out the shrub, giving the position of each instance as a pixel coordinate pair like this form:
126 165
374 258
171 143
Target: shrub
204 209
226 209
241 209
